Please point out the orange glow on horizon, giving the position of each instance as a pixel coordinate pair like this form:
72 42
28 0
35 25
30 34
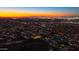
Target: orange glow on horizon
27 14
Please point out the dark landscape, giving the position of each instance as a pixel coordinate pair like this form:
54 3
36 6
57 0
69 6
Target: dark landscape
38 34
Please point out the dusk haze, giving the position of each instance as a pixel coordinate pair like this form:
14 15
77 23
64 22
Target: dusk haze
38 11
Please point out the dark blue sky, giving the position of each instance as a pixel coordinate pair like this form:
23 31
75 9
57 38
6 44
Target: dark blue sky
51 9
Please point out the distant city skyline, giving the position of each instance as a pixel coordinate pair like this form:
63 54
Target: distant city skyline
38 11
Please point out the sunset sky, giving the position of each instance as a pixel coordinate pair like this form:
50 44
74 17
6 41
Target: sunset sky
38 11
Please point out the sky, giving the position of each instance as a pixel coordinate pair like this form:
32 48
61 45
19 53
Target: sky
38 11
